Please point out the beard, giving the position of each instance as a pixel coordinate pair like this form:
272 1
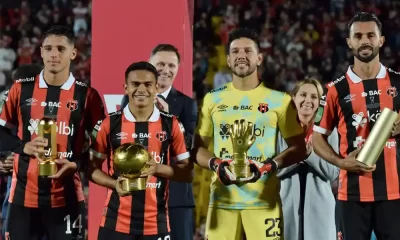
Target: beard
366 58
241 73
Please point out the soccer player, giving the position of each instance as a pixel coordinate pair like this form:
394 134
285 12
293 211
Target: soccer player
253 207
368 197
54 206
141 214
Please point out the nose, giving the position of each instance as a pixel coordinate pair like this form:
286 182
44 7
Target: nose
141 88
54 53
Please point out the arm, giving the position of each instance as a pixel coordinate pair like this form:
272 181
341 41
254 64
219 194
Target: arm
200 152
293 134
323 149
183 169
189 117
98 153
324 168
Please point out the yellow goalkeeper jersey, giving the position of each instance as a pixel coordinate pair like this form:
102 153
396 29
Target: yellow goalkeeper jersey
269 111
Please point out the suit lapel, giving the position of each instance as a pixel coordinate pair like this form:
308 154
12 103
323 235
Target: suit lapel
171 100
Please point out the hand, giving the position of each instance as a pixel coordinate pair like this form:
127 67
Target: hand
350 164
33 147
161 104
8 164
259 169
67 168
221 168
150 169
309 148
396 128
118 187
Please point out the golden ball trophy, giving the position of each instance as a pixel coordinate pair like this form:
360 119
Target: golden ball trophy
129 160
242 138
378 137
47 129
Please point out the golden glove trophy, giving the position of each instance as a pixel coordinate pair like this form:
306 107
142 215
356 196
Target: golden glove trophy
378 137
47 129
242 138
129 160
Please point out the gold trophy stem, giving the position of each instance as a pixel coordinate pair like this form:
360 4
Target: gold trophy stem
239 167
136 184
47 168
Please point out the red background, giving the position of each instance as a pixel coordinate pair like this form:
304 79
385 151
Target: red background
125 31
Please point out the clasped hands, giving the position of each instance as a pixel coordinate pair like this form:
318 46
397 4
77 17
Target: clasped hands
226 177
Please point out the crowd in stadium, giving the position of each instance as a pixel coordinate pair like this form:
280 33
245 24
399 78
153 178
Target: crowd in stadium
299 39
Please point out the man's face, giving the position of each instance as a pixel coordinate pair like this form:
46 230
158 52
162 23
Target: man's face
243 58
141 87
365 40
167 65
57 53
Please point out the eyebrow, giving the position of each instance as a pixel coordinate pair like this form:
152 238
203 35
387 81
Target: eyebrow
59 46
356 33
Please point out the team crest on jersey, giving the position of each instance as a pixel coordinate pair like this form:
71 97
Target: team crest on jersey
72 105
263 107
391 91
162 136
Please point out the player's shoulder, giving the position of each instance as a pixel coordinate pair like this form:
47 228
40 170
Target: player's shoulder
219 90
80 83
27 80
114 114
336 82
274 94
167 115
393 73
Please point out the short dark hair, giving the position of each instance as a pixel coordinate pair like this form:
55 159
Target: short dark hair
59 30
365 17
243 33
26 70
165 47
141 66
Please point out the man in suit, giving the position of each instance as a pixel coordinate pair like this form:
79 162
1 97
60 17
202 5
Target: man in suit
166 59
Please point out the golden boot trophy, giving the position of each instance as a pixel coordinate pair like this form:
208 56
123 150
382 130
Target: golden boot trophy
47 129
129 161
242 139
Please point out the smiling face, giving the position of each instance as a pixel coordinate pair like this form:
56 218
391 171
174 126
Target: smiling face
306 99
167 65
141 87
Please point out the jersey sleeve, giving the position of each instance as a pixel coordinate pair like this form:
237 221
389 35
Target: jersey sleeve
288 123
94 109
205 127
100 145
179 147
9 106
325 119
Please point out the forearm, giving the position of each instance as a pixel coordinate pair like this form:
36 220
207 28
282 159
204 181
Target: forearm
9 142
202 157
323 149
177 173
290 156
101 178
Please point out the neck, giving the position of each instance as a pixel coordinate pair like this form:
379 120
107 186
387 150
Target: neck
367 70
305 121
163 89
56 79
141 114
247 83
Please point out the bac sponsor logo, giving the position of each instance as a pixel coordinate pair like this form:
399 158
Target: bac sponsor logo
31 79
243 107
371 93
336 81
62 127
141 135
50 104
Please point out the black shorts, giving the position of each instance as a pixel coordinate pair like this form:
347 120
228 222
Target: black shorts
107 234
356 220
63 223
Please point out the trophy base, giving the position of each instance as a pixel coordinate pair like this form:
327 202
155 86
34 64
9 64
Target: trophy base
240 171
47 169
136 184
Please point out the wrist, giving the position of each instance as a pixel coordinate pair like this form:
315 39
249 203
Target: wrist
271 164
212 162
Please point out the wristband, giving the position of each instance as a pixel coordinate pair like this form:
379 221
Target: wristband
274 164
211 163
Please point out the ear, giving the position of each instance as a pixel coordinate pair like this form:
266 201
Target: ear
228 59
260 58
126 88
41 51
349 43
381 41
157 87
74 53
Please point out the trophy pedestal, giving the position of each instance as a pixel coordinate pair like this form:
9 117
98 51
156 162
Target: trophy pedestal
240 171
48 168
135 184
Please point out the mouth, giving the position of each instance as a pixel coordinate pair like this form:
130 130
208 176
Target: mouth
306 107
141 97
241 64
365 50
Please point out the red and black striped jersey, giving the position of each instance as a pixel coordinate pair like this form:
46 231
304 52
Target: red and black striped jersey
144 212
76 108
353 106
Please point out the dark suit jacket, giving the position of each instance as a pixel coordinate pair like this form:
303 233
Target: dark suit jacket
185 108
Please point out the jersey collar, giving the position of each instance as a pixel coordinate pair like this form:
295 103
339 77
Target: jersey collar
153 118
356 79
66 86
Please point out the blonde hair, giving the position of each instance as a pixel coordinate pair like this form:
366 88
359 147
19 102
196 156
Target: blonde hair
311 81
